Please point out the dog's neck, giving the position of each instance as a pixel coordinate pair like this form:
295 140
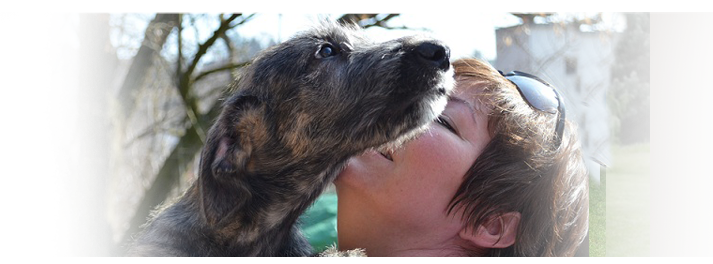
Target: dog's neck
265 177
268 204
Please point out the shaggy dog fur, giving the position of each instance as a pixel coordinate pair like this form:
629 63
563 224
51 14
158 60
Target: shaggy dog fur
300 111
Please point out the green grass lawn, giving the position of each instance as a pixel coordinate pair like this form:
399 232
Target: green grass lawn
319 222
597 218
627 202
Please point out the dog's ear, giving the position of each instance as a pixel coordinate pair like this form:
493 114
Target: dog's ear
224 160
230 158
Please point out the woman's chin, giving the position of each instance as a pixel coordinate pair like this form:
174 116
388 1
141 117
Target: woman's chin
363 169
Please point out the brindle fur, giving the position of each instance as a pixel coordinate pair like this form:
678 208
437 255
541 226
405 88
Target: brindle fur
288 130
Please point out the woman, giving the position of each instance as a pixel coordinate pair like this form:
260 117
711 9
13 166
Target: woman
498 174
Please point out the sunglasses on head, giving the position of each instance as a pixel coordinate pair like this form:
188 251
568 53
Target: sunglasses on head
541 96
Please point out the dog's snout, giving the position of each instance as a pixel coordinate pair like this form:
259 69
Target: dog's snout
434 53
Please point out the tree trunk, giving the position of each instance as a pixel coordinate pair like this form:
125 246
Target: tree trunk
100 140
177 162
156 34
191 142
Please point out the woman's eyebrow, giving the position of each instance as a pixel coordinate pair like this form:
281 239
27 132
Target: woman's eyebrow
466 103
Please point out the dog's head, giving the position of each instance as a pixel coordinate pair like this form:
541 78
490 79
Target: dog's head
332 89
323 96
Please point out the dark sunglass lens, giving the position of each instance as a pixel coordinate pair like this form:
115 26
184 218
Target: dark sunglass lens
536 93
541 96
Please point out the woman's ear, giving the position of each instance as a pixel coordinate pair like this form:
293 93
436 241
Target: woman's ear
499 231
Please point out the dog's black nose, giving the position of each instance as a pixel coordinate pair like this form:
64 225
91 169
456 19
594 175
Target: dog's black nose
435 53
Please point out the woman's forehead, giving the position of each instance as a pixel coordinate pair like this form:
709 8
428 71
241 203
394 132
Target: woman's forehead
472 92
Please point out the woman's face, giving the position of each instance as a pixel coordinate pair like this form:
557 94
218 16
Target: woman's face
406 195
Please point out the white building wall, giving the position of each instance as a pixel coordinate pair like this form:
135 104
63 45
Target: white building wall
513 49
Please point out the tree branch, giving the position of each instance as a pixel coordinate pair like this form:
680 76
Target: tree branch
219 69
143 60
202 49
245 19
381 22
369 20
229 46
187 148
150 130
184 79
190 144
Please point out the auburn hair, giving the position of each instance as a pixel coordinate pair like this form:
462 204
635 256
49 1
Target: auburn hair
521 170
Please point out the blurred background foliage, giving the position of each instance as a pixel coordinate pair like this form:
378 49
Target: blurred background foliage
629 97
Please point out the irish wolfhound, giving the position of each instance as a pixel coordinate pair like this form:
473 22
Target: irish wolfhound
301 110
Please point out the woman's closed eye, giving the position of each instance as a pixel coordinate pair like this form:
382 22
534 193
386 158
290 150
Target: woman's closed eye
447 123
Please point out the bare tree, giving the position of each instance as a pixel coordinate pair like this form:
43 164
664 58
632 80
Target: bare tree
192 140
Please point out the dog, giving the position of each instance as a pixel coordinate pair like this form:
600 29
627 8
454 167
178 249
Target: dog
300 111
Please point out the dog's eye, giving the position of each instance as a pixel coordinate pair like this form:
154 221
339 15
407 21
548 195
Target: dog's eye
327 50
